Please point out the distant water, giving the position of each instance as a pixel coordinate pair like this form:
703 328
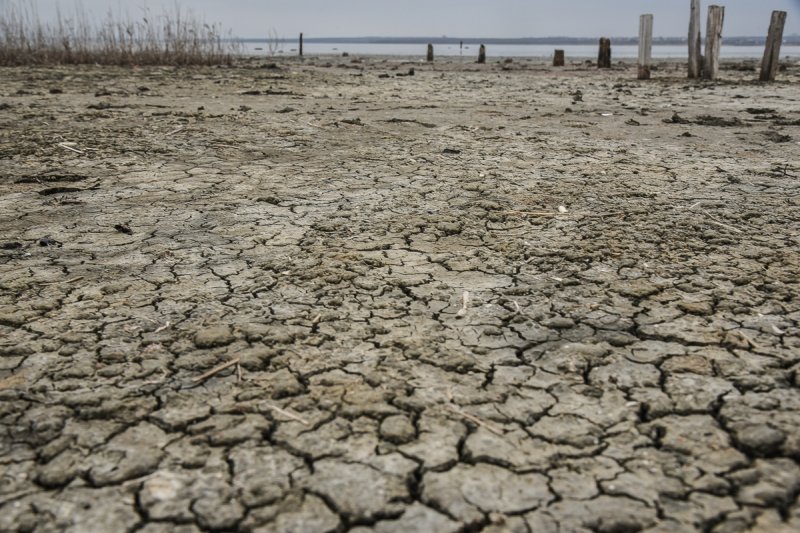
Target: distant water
507 50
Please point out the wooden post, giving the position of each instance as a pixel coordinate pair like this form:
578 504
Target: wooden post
716 16
772 51
695 59
604 54
482 54
558 58
645 45
301 45
430 53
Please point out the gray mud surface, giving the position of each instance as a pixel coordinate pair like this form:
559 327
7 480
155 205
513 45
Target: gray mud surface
479 298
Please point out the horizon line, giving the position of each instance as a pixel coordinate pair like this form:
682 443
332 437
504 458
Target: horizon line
792 39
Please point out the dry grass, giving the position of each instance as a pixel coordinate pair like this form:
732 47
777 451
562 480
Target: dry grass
173 38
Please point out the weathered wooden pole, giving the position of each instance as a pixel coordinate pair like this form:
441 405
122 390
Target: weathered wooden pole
482 54
301 45
695 59
604 53
645 45
558 58
772 50
430 53
716 16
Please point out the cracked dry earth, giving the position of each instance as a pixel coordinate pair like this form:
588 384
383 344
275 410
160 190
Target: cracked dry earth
456 304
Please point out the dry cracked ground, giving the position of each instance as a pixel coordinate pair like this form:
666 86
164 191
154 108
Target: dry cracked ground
333 296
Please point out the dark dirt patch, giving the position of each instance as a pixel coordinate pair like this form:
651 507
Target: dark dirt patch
676 119
58 190
776 137
52 178
760 110
410 121
106 105
709 120
787 122
706 120
123 228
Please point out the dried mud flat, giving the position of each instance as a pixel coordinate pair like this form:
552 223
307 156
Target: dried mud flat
455 304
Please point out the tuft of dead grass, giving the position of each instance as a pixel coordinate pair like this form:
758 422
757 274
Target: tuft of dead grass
175 37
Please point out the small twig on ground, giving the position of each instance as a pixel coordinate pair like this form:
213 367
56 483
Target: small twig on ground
748 340
162 379
162 328
287 414
785 171
61 200
476 420
575 213
726 226
6 498
464 304
694 205
67 146
716 222
73 280
534 213
216 370
138 480
176 130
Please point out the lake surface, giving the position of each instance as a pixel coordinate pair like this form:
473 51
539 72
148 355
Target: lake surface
507 50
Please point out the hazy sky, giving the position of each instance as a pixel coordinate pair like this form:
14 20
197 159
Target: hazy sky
475 18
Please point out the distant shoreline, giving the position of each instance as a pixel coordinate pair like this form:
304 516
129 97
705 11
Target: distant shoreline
728 41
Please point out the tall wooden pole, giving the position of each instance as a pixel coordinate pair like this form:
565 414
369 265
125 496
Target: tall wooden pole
430 53
695 59
716 17
301 45
482 54
558 58
604 53
645 45
772 50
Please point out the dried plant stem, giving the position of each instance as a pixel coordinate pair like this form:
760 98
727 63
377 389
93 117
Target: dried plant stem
287 414
475 419
173 38
216 370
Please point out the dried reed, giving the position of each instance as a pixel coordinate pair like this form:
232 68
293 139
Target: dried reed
173 38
